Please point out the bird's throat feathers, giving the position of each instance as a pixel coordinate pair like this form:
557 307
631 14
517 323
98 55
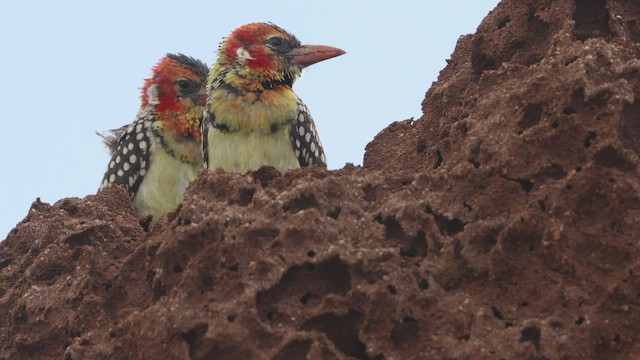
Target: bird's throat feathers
185 124
264 111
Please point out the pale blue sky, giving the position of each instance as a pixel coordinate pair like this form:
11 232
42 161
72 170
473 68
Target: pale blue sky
75 67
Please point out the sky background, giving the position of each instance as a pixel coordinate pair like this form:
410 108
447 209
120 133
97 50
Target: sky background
75 67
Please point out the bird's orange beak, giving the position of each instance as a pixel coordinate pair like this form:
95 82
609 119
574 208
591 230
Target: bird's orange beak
310 54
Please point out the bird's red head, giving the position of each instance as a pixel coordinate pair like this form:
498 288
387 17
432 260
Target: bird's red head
176 91
265 52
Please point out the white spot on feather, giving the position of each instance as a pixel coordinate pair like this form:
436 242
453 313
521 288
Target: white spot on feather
243 54
152 95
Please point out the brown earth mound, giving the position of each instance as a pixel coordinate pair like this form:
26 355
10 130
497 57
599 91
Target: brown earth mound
504 224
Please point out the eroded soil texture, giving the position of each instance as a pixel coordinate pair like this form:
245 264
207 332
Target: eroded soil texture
503 224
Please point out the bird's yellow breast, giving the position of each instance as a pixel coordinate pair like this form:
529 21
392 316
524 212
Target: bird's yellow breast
258 133
166 179
241 151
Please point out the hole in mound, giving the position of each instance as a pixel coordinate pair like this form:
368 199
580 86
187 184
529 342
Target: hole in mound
301 284
421 147
335 213
610 157
474 154
484 241
532 334
629 128
145 223
423 284
589 139
591 20
417 246
305 298
556 324
448 227
551 171
405 333
526 184
6 262
302 202
392 289
503 22
409 246
531 115
496 313
438 160
371 192
86 237
193 338
245 196
521 237
295 349
634 30
343 331
265 175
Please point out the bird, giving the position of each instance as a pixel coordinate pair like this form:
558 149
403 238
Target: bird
253 117
159 153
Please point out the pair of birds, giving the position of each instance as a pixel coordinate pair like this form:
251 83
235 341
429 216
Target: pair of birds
239 116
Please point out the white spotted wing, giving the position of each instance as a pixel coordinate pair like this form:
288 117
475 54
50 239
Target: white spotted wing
130 155
304 139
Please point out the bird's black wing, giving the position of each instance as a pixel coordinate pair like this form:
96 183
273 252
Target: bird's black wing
304 138
130 158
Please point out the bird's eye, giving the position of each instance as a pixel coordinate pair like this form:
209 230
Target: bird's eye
275 42
186 86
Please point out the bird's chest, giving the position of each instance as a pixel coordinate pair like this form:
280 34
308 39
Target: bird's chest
248 151
166 179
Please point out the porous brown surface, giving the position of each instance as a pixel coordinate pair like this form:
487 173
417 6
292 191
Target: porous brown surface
503 224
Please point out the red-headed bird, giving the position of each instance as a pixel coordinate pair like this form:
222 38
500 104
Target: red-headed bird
157 155
253 117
